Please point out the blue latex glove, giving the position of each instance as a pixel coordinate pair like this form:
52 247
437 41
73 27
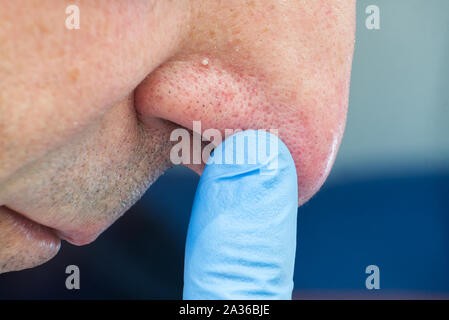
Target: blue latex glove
241 239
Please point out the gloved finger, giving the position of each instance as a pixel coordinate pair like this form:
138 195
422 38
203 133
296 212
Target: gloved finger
241 239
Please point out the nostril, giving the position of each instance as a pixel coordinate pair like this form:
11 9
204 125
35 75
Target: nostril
155 122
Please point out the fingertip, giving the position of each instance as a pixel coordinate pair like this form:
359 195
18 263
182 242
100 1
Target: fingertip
242 234
250 152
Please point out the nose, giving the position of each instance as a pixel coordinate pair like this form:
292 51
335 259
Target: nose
280 66
220 96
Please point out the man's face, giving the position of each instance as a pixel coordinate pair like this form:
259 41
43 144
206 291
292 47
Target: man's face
86 115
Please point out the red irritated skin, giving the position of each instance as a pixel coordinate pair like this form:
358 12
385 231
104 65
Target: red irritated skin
287 69
86 114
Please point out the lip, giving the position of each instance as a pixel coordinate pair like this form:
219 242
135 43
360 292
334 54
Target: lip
46 236
34 232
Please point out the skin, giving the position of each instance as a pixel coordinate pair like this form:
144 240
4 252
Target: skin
86 115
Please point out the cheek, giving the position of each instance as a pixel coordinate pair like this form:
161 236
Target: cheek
84 186
218 95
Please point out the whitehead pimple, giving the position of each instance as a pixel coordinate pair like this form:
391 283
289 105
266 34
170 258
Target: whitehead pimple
205 62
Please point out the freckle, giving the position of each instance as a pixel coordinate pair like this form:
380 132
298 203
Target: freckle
236 32
74 74
205 62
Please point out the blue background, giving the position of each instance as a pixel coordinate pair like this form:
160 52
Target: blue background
399 224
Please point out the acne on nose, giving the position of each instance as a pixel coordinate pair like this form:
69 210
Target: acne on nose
201 89
223 97
204 90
